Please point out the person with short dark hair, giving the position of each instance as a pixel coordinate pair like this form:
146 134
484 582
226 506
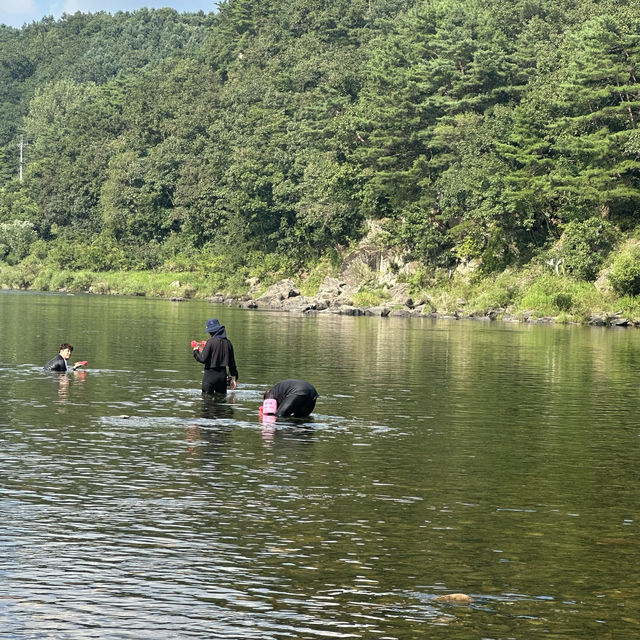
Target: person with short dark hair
59 363
293 397
217 357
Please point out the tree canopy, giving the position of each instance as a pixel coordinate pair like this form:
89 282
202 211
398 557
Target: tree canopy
470 129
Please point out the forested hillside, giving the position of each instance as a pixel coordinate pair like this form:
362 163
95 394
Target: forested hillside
265 138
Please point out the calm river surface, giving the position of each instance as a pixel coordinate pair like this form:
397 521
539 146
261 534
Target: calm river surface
497 460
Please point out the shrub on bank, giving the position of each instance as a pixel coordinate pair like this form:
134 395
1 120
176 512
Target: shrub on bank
42 281
494 293
585 245
327 266
629 307
369 298
22 275
142 283
625 272
553 295
16 239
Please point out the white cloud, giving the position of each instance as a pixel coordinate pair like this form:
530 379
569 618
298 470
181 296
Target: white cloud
18 12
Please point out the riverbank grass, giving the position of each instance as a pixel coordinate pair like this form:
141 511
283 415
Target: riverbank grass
531 293
184 284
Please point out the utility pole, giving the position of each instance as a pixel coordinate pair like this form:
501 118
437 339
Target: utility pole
21 154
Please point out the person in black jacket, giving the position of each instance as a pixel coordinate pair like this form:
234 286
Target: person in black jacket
294 397
59 363
217 356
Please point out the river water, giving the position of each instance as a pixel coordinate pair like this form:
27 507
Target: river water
496 460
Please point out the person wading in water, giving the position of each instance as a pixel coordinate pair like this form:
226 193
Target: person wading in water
217 357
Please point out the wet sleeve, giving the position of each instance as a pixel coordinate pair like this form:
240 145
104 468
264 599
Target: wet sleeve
54 365
286 407
202 356
233 370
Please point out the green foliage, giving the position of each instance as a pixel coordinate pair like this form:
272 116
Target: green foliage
136 283
548 296
629 307
584 246
625 272
326 266
16 238
551 295
42 281
269 267
369 297
572 145
418 279
21 275
16 205
103 253
261 140
496 294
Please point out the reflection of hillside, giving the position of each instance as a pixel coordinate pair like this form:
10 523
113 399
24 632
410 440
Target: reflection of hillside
542 373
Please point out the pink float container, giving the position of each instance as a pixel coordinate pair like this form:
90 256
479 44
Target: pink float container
269 406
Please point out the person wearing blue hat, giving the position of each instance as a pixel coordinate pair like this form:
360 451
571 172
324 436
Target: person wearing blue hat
218 359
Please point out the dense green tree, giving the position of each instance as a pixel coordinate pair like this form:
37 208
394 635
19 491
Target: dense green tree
572 143
16 238
475 129
447 62
601 107
16 205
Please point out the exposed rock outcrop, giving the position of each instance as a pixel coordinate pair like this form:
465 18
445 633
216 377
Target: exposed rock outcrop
368 268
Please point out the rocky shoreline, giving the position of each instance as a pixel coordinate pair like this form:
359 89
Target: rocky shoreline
335 296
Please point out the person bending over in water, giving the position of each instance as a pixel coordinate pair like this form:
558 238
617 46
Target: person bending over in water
294 398
59 363
217 356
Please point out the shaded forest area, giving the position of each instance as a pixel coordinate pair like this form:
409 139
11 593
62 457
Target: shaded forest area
266 139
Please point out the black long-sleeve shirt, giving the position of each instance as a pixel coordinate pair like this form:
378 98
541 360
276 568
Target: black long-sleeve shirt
217 353
294 397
